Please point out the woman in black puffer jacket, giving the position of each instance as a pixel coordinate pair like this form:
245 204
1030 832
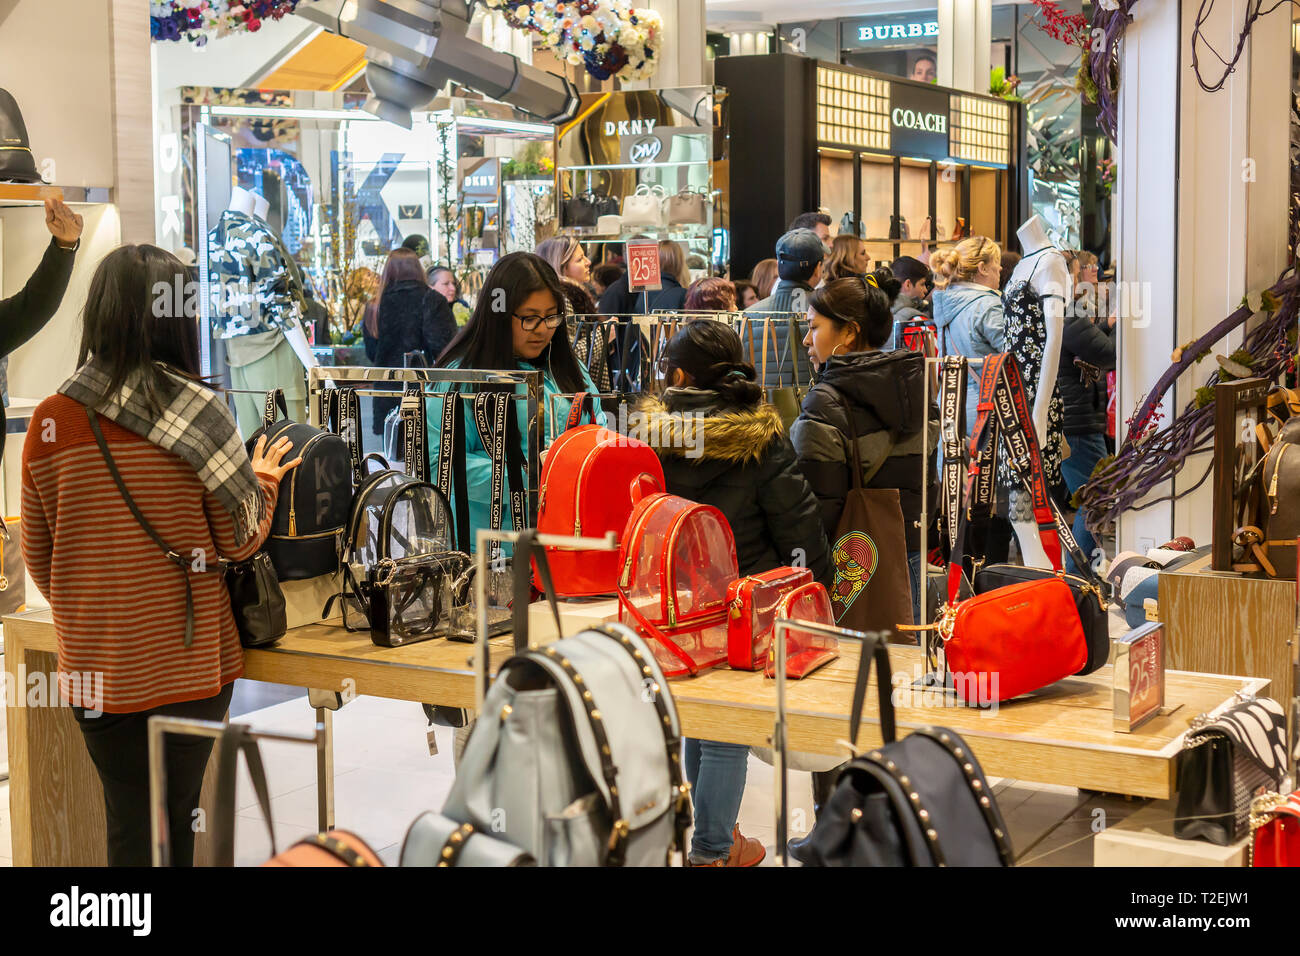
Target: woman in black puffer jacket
412 318
722 446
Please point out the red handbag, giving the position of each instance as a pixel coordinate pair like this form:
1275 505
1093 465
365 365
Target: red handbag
590 481
678 558
804 650
1011 640
752 607
1275 820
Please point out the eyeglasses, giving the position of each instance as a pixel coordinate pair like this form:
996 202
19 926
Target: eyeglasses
530 322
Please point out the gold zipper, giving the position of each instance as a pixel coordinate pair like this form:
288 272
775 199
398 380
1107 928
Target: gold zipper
293 488
304 537
670 580
626 578
577 493
1272 485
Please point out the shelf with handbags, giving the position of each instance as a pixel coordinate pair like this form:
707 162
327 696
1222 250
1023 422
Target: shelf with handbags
647 163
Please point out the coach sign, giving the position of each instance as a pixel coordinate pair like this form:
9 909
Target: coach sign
918 120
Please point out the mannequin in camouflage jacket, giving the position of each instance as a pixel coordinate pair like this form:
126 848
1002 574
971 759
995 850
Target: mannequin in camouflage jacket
256 284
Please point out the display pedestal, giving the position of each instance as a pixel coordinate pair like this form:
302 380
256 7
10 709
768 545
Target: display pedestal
1147 839
574 616
1224 623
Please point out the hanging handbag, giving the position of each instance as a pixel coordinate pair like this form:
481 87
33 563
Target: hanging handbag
13 572
16 162
257 601
687 208
872 589
1002 427
258 607
1226 762
1275 830
919 801
752 605
644 207
335 848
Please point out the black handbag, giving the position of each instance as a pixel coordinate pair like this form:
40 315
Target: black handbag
256 600
16 162
919 801
579 210
1226 762
258 606
1087 599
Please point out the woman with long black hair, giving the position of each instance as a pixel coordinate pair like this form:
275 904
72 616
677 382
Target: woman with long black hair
139 632
519 322
722 445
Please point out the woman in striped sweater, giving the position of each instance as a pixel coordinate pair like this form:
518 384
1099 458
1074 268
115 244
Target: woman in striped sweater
129 644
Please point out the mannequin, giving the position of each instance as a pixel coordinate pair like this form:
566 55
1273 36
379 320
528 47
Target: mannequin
1047 273
258 311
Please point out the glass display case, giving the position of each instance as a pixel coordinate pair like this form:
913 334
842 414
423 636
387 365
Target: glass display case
338 189
646 163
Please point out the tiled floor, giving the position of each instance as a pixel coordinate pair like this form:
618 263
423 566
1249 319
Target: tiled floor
384 777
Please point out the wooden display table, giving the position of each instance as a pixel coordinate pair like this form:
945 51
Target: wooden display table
1062 735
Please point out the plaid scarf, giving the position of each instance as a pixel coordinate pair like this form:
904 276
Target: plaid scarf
195 425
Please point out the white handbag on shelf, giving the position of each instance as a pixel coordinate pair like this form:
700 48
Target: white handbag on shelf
645 207
609 225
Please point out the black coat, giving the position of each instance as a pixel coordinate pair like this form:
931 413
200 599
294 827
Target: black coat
1085 399
737 459
885 394
25 313
617 301
670 298
412 318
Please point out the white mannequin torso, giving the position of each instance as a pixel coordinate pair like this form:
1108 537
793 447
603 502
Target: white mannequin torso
1044 268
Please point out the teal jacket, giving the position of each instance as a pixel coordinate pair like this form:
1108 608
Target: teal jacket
478 464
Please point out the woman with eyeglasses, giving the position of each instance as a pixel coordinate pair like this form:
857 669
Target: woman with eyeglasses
518 323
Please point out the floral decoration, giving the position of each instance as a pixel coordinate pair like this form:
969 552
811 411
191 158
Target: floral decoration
195 20
607 37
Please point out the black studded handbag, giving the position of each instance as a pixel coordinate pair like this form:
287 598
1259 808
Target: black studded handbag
919 801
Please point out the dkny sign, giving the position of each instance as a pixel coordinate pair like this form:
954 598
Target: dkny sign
918 121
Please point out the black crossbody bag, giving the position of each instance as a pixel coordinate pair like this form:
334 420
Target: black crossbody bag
255 595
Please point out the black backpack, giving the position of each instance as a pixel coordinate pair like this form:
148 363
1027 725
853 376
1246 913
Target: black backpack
316 497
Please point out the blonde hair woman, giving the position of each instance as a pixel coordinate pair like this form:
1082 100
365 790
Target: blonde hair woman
967 307
763 277
848 259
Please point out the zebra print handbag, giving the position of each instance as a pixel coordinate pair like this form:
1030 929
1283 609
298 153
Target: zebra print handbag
1226 762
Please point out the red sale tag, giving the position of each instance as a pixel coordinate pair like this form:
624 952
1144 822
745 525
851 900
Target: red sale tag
643 265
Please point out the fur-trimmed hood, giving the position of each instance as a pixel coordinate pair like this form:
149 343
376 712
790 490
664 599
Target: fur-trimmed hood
691 423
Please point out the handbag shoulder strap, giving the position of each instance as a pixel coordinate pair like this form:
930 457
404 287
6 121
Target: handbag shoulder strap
874 647
528 550
179 560
274 399
767 328
236 739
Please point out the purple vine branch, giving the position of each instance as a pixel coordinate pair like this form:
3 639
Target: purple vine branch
1146 459
1101 84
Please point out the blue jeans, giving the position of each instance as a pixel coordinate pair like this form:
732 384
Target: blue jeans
1085 452
716 773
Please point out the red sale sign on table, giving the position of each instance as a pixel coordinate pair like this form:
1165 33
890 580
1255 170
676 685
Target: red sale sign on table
643 265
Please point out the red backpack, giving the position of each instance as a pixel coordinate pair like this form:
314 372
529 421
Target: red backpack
590 481
677 559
